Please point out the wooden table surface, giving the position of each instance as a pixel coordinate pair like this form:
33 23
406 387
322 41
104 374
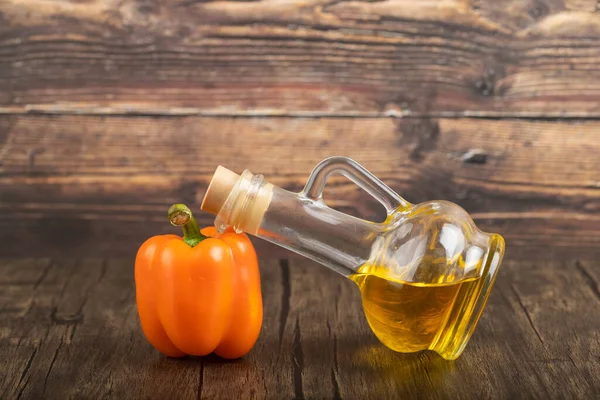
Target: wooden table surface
70 330
112 110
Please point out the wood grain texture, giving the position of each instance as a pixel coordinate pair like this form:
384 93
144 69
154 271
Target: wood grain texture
70 329
90 185
317 57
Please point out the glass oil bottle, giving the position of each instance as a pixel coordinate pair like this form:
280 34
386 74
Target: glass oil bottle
424 274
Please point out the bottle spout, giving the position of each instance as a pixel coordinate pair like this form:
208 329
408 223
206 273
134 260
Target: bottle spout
221 185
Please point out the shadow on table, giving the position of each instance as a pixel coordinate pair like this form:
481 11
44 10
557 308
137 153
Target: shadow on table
164 362
361 359
369 365
426 364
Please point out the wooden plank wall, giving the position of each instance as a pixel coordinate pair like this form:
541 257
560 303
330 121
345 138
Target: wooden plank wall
111 110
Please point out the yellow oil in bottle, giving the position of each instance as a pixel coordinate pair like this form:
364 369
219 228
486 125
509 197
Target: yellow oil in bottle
409 317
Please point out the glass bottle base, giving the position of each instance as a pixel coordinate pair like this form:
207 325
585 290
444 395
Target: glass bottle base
454 337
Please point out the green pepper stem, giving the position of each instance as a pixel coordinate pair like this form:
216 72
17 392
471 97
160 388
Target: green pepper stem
181 215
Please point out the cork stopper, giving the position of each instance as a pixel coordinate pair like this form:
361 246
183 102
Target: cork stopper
220 187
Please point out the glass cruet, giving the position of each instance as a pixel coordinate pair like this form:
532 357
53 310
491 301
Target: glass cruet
424 273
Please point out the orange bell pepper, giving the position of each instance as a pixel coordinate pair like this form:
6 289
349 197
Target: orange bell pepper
198 294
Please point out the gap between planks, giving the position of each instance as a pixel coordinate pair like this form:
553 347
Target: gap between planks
124 111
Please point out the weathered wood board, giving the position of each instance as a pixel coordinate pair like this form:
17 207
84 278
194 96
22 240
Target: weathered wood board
70 329
98 186
323 57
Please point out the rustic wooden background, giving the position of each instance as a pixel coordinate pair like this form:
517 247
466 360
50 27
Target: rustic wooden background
111 110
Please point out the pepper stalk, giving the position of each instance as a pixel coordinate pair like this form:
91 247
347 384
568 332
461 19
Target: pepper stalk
181 215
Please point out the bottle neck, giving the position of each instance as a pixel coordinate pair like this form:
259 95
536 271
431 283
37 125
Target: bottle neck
246 204
291 220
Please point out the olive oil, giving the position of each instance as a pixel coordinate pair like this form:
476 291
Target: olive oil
408 316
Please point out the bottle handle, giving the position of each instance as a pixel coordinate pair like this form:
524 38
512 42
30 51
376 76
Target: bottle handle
357 174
